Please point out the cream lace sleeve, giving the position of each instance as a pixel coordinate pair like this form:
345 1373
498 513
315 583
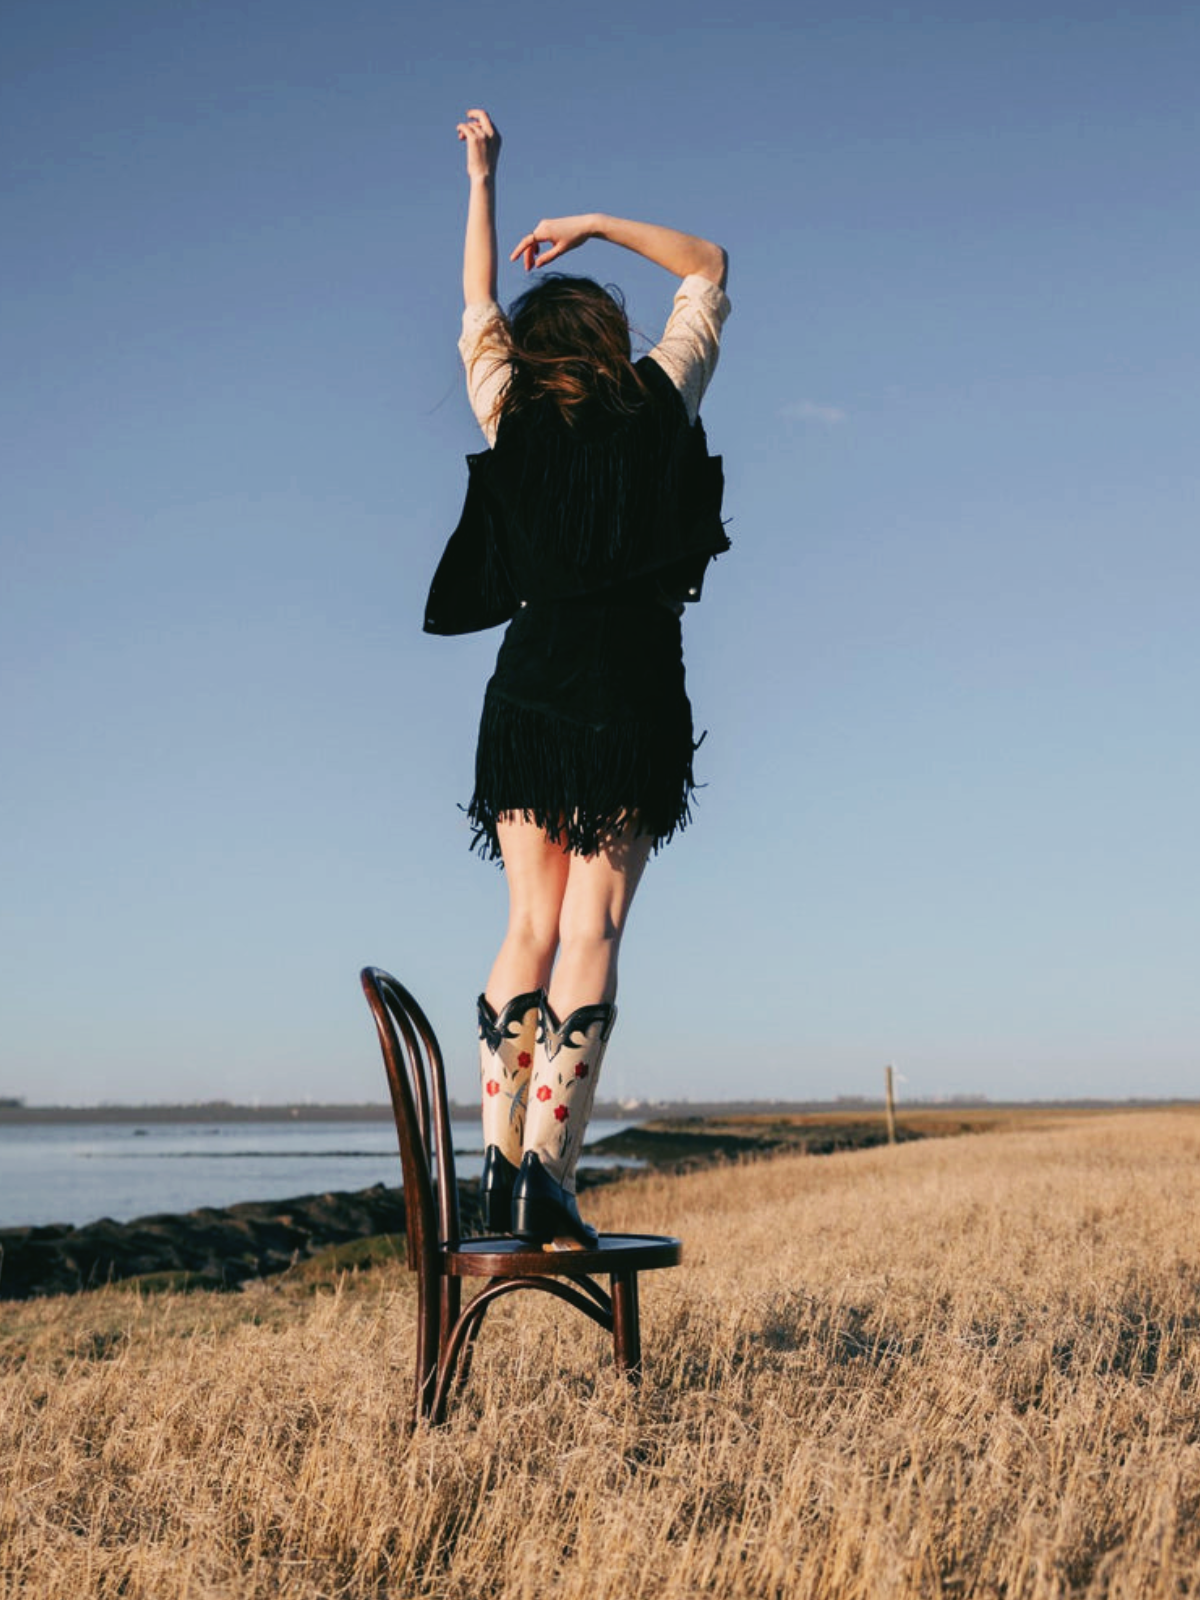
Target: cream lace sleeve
688 349
484 348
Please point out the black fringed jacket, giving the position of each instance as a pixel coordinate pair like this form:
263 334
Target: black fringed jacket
553 512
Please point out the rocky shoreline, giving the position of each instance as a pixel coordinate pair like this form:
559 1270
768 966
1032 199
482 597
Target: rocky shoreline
222 1248
217 1248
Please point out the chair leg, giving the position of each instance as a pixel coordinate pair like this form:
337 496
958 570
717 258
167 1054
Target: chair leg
467 1351
428 1349
451 1374
450 1304
626 1323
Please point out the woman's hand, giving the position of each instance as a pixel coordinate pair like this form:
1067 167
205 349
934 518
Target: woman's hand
483 144
560 234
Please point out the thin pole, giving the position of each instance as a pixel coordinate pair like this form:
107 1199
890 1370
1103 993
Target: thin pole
889 1076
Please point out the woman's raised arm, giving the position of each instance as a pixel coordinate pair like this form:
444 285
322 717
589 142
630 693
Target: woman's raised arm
680 253
479 251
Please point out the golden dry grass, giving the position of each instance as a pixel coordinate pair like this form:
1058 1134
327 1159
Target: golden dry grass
966 1366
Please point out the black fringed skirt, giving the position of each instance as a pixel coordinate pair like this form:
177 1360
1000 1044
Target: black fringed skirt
586 727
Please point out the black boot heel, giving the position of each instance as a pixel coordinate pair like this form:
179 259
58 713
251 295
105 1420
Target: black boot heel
496 1190
542 1210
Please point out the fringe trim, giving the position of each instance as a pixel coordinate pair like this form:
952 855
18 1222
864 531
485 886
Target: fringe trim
636 777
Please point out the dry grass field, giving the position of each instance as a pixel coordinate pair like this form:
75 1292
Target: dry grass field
958 1367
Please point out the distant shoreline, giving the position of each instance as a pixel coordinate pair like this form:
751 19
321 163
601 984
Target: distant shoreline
206 1112
220 1111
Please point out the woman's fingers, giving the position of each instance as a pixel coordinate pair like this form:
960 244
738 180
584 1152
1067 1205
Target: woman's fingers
539 247
528 248
533 259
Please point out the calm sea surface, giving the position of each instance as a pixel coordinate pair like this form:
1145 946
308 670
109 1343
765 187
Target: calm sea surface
77 1173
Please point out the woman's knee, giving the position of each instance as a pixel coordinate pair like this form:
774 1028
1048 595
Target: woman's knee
535 928
587 931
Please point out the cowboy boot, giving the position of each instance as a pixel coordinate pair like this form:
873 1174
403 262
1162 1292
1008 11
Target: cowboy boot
506 1061
566 1068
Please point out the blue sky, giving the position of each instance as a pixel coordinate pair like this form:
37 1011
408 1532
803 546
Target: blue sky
949 669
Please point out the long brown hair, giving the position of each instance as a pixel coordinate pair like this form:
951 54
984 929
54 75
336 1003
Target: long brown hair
570 345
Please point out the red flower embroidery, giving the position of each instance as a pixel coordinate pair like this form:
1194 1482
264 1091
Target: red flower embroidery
492 1086
582 1069
544 1093
561 1113
524 1059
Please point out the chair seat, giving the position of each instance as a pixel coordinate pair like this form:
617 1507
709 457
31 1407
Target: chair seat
615 1252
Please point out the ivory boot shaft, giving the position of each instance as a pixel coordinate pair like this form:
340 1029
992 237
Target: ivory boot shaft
506 1046
566 1069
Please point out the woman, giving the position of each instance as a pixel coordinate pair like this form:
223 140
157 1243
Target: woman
587 525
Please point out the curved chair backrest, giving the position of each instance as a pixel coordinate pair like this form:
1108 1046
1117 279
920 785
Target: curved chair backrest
417 1081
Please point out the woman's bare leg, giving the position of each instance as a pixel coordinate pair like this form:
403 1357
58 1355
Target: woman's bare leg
537 869
595 907
577 1019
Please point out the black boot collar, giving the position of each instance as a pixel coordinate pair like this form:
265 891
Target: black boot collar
494 1030
554 1034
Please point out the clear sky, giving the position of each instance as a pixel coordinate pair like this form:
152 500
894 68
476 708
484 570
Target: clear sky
950 668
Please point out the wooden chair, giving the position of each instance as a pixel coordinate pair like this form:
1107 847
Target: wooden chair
441 1259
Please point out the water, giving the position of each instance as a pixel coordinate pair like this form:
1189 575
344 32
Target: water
78 1172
